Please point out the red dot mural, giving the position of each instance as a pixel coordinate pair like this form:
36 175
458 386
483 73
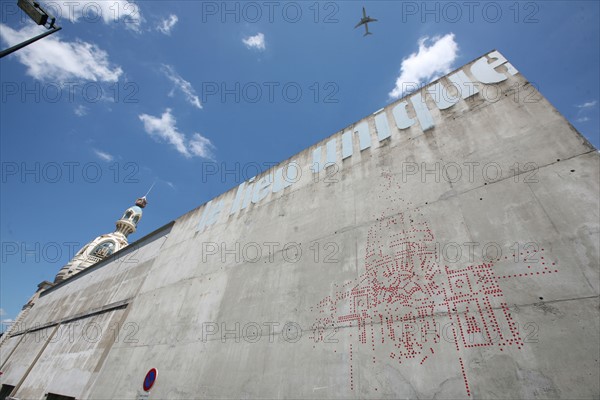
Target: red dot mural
405 292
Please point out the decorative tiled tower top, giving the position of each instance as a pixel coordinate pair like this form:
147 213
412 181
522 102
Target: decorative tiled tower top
105 245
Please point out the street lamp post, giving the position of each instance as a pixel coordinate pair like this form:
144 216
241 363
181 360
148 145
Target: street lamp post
41 17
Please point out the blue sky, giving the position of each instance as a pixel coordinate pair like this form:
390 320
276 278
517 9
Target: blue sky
131 93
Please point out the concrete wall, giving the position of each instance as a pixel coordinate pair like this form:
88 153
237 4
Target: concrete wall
385 275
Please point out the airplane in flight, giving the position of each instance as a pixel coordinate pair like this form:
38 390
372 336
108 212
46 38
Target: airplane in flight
365 21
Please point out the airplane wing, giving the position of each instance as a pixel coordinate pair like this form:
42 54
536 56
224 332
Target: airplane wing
359 24
371 19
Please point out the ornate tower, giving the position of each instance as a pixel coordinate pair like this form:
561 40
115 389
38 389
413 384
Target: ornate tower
104 245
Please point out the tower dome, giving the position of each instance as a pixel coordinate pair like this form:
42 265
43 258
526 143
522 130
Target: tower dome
105 245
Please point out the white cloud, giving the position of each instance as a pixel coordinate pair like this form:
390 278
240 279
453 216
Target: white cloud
587 104
125 12
201 146
2 312
164 128
183 85
428 64
103 156
585 108
81 110
257 41
167 24
53 59
6 323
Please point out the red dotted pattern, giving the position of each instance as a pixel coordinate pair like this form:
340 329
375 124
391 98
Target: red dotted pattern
397 302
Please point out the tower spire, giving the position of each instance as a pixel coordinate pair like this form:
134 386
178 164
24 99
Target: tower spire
149 190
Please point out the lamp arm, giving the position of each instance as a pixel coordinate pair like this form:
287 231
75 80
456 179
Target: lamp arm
28 42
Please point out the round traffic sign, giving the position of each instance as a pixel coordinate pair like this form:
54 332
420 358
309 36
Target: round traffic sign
150 379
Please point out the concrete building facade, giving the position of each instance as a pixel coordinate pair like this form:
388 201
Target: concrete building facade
445 246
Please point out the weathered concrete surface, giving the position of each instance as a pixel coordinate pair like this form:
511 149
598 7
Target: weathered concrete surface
423 320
